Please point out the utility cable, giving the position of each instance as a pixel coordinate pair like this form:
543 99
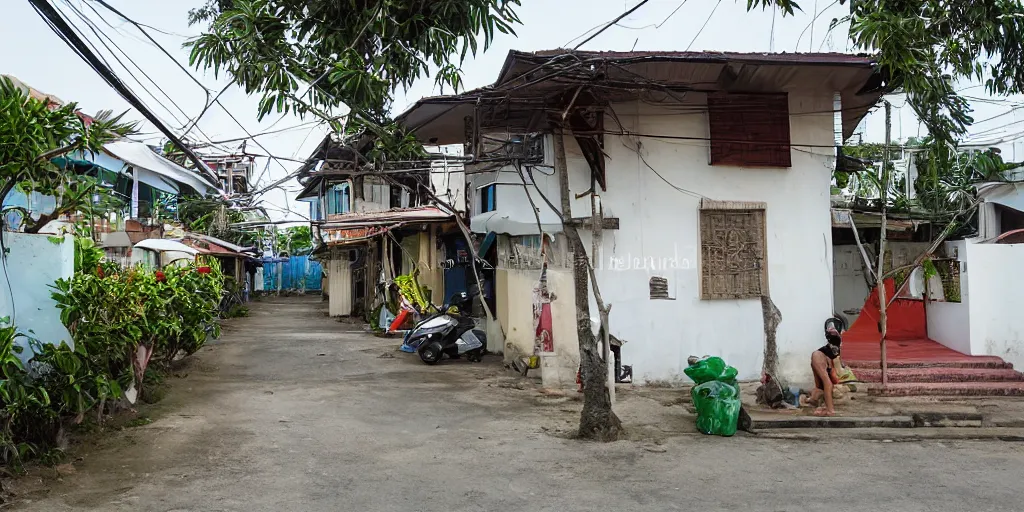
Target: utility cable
694 40
616 20
53 19
100 35
657 25
194 79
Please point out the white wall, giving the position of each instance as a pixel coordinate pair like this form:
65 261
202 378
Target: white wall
449 183
659 228
850 288
996 297
514 214
33 265
987 320
950 323
515 312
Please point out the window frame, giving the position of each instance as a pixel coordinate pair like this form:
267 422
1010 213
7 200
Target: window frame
708 208
488 198
738 124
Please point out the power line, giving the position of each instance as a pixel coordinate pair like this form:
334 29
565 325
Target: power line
194 79
268 131
100 35
694 40
811 25
53 19
616 20
658 25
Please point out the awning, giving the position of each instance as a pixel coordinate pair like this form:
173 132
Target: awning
847 219
163 245
345 236
157 170
1005 194
515 223
422 214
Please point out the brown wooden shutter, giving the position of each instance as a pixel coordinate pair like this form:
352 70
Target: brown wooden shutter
749 129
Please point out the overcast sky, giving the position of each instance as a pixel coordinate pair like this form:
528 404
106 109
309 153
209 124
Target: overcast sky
35 55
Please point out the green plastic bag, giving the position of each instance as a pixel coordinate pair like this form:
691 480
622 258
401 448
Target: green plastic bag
709 369
718 407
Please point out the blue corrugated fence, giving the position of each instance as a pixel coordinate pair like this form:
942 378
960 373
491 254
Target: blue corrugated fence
297 272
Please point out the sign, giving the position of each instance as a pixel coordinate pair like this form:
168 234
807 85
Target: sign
342 235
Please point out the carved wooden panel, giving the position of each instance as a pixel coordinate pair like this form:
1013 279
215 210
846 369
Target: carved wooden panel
733 255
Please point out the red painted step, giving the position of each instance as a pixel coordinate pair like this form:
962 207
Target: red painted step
949 389
905 375
980 362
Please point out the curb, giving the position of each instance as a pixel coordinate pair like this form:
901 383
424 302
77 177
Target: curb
899 435
910 420
815 422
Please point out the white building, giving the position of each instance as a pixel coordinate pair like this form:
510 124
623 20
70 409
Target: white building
712 171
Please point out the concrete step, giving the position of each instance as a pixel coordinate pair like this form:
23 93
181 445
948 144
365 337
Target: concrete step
949 389
986 362
904 375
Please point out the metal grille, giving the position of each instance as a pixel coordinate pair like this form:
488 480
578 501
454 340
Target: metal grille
949 272
732 254
659 288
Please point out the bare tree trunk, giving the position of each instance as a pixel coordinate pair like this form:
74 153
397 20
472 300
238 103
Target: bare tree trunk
882 303
772 318
597 421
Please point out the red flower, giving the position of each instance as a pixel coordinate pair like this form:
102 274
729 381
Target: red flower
160 277
203 270
99 270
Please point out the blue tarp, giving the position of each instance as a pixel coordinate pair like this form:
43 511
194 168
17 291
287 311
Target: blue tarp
298 272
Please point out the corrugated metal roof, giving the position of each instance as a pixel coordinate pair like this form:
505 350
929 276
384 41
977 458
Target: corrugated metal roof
829 58
546 74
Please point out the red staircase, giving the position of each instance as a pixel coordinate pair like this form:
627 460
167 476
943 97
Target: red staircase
926 368
918 366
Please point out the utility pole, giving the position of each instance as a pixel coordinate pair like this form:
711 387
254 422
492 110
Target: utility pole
882 302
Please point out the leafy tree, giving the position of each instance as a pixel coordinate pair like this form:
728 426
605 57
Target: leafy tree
314 56
926 46
294 240
33 134
210 216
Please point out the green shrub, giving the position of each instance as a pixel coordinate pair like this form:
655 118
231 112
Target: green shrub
109 311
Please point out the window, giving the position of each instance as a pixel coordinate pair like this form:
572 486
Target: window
749 130
487 199
338 199
732 248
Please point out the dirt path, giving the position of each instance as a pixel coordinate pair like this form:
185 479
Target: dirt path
293 411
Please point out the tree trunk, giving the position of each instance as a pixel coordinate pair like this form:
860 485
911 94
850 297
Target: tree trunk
772 318
597 421
882 304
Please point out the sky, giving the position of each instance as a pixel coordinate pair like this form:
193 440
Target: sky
38 57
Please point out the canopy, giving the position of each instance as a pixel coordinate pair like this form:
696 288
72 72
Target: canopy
157 170
162 245
514 223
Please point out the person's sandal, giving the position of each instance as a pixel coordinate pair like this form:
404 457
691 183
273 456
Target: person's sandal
821 412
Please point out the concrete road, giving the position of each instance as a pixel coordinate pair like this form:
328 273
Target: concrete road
293 411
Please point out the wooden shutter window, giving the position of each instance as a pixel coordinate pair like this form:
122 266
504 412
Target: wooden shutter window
749 129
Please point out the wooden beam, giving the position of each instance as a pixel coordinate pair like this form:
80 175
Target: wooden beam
585 222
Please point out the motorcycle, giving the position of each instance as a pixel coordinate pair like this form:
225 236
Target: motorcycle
447 333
